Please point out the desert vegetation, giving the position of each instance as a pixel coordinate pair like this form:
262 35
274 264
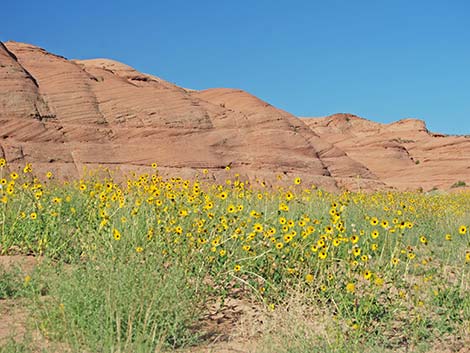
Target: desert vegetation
149 264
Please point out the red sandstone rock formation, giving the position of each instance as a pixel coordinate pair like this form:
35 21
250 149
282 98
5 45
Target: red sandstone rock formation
64 115
404 154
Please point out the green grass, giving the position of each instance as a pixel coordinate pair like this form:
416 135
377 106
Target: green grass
459 184
120 305
12 346
11 285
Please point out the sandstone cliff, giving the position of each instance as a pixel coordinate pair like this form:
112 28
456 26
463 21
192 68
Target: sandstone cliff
64 115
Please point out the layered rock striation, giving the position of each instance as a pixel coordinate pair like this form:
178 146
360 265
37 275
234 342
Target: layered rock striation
68 115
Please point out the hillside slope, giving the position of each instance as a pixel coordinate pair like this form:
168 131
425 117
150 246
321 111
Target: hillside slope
403 154
64 115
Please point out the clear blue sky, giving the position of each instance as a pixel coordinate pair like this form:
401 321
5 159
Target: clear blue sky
381 59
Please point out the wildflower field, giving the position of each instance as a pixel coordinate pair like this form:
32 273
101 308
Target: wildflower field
134 265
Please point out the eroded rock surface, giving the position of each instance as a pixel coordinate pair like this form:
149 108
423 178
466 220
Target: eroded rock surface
64 115
403 154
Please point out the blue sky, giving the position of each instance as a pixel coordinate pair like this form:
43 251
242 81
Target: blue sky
383 60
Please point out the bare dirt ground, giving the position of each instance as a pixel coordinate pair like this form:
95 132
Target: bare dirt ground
25 263
232 327
13 320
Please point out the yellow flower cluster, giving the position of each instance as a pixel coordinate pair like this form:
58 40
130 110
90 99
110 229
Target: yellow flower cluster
265 234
